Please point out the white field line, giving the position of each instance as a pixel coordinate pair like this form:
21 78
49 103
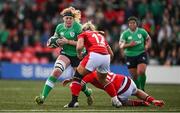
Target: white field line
91 110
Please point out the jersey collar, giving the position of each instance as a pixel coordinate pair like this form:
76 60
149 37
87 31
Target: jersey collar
134 31
67 27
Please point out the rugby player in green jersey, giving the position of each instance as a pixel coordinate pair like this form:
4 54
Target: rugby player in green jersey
66 35
135 41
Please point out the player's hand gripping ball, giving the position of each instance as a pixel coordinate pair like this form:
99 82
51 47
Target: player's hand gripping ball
52 42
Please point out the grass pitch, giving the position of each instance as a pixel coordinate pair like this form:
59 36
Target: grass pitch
18 96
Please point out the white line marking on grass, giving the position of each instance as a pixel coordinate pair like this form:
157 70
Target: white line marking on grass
91 110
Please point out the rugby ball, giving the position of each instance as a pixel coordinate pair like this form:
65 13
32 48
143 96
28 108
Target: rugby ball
52 42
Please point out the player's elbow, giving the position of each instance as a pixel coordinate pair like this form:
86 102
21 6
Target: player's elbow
80 44
110 51
111 55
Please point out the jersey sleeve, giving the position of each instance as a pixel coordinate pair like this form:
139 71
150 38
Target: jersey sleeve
122 37
145 34
78 28
57 30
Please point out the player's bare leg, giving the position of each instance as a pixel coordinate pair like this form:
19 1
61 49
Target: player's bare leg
60 65
134 75
76 86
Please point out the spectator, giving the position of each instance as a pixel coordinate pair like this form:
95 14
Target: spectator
28 18
3 34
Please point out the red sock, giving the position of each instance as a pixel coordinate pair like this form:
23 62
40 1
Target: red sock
149 99
136 103
139 103
75 88
109 88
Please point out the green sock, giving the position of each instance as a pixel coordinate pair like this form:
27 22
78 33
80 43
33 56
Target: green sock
142 79
48 86
137 83
85 90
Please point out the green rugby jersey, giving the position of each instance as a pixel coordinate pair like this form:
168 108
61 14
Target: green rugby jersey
139 36
70 34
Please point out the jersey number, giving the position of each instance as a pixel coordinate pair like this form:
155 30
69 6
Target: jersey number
100 41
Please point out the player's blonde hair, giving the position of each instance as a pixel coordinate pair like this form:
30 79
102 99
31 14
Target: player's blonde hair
73 12
88 26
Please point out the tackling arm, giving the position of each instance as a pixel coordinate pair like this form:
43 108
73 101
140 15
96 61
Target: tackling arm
72 42
79 47
110 52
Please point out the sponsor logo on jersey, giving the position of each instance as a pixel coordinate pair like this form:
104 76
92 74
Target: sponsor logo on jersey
72 34
138 42
139 36
130 38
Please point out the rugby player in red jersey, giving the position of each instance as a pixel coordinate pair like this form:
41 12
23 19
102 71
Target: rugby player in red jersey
97 50
125 87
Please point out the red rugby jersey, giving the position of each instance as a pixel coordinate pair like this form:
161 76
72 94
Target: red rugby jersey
94 42
116 79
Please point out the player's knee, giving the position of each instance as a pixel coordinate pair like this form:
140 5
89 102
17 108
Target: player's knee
56 72
77 77
140 71
59 67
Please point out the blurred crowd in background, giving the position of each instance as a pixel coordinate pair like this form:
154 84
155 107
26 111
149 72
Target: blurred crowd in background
26 25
